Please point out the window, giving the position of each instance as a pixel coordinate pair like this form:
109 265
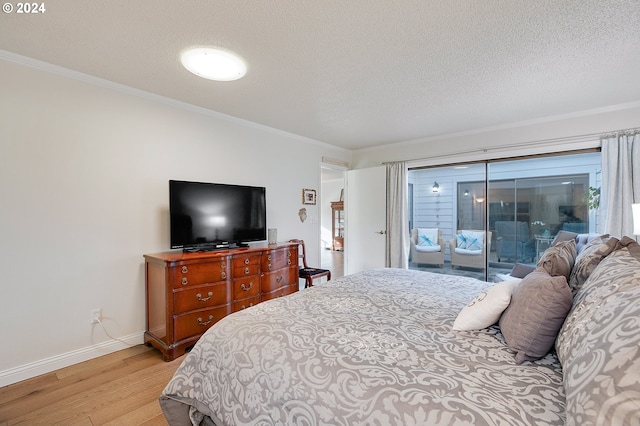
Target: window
519 206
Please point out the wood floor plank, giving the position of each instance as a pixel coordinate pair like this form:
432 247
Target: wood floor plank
66 388
156 421
101 397
129 398
103 360
142 415
119 388
18 390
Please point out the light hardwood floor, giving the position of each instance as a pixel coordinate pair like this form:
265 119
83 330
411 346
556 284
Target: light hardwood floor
121 388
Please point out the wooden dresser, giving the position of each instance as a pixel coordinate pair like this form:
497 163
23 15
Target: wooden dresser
186 293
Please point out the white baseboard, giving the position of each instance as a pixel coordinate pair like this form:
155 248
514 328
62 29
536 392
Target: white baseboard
47 365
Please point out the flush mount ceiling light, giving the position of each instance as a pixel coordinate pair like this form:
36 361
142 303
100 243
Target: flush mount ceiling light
213 64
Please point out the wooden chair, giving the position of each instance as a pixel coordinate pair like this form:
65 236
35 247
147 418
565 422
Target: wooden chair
307 273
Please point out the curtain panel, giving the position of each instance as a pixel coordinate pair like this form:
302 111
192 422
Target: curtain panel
397 239
620 182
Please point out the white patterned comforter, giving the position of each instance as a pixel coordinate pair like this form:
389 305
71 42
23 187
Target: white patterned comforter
374 348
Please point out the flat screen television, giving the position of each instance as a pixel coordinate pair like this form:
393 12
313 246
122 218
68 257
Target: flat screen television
209 216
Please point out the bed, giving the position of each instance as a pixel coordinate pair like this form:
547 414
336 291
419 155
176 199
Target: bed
559 345
376 347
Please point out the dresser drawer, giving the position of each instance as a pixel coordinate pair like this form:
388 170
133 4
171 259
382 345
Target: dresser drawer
277 259
275 280
246 303
279 292
197 322
192 297
188 274
246 287
245 265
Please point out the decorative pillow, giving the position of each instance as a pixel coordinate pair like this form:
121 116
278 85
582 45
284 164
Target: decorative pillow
520 270
470 240
485 309
461 241
427 237
563 236
539 305
583 239
599 343
559 259
587 260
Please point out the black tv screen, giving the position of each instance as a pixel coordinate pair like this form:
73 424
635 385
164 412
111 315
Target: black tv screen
215 215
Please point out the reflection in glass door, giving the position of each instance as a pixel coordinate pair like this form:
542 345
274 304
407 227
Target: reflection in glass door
526 214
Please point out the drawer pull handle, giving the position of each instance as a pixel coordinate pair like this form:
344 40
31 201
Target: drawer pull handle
246 271
185 281
223 275
289 262
289 253
279 279
250 305
269 266
269 257
185 269
205 322
200 298
223 265
245 288
246 261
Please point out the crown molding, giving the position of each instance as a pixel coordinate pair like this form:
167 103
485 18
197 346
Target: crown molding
121 88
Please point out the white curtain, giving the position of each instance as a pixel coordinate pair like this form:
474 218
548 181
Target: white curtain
397 250
620 182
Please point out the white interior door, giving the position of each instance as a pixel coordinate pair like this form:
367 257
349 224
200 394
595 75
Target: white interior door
365 227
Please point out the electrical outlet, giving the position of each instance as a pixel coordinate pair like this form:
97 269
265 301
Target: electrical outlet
96 316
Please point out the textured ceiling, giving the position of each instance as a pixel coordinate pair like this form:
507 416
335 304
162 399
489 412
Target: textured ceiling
355 73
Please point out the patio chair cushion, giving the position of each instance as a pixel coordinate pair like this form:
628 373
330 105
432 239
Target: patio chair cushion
429 249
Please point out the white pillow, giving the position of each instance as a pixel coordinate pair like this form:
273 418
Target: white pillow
470 240
485 309
428 237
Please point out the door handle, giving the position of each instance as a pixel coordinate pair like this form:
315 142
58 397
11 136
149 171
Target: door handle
381 232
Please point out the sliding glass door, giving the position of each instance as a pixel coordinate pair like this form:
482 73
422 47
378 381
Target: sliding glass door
495 214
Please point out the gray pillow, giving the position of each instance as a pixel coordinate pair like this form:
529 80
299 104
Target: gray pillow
520 270
539 305
587 260
563 236
559 259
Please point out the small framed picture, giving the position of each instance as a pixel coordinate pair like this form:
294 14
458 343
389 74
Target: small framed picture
309 196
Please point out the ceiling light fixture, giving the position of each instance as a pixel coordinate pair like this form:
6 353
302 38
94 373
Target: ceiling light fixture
214 64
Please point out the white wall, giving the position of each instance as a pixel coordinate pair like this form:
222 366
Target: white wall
551 134
84 194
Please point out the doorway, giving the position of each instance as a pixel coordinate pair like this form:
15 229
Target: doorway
332 219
